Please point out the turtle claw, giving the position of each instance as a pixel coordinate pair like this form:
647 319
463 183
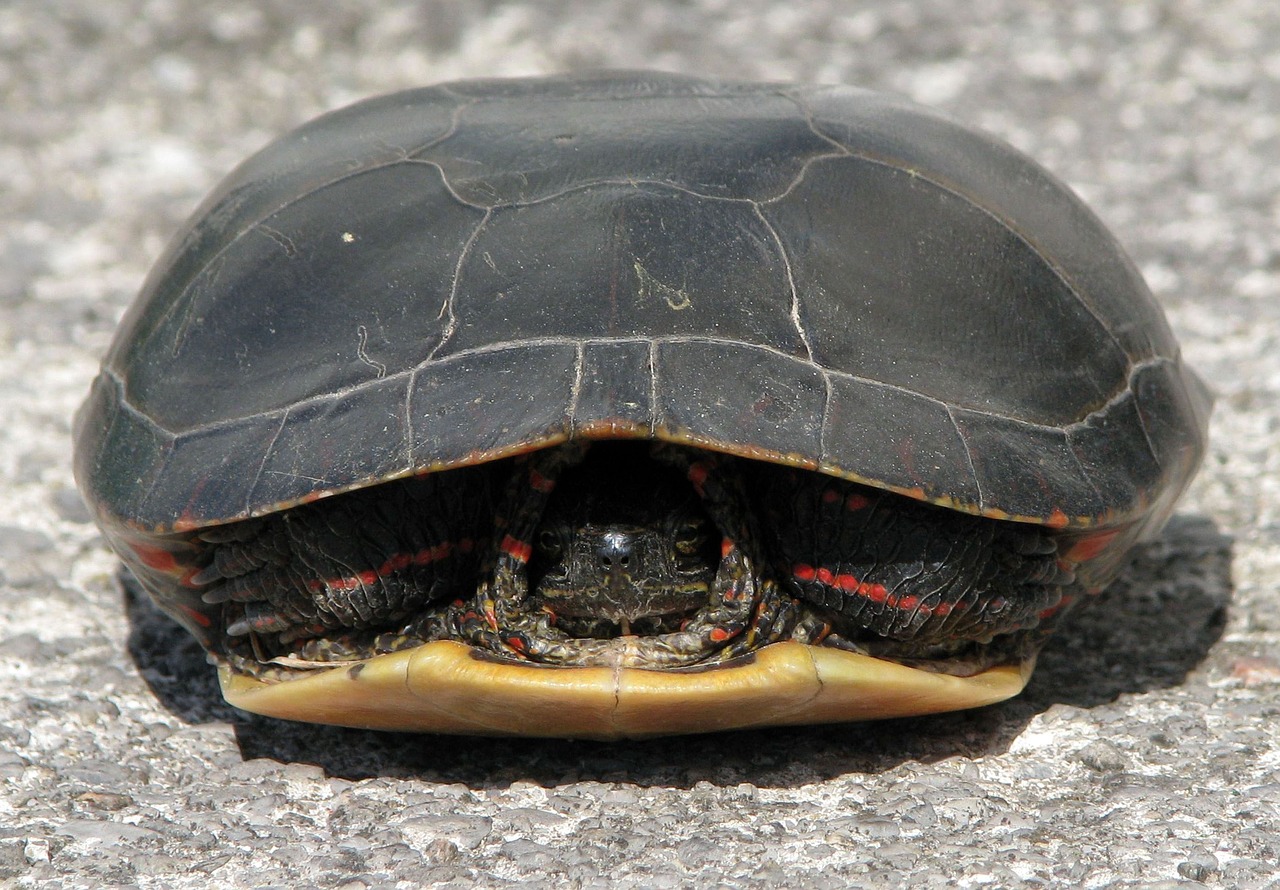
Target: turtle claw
217 596
239 590
210 574
1035 545
226 534
259 620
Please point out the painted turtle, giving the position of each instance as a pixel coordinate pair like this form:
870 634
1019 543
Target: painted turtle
628 404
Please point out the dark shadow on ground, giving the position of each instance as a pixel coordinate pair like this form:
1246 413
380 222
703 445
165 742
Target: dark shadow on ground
1148 631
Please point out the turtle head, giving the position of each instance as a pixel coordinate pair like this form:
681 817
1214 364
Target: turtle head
623 541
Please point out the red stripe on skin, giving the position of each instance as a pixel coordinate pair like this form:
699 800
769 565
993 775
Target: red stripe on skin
1087 548
1053 610
698 473
726 547
156 558
829 495
393 564
718 635
875 592
516 549
198 617
856 501
540 482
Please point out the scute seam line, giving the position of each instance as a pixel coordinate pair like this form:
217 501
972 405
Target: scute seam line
653 386
827 399
628 182
575 391
266 456
791 281
574 342
446 309
968 456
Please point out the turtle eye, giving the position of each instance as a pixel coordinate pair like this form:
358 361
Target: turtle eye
690 535
548 543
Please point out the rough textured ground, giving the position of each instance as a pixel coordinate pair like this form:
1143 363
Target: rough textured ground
1146 750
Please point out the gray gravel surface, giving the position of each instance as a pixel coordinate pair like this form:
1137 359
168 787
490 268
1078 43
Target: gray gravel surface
1144 753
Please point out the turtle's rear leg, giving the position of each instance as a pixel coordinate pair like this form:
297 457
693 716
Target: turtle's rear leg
356 561
882 565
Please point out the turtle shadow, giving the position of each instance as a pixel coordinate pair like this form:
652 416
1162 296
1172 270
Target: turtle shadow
1149 631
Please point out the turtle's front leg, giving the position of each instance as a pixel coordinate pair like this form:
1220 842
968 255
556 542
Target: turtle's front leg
497 618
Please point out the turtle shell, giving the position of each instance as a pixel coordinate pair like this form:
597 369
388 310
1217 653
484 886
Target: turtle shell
822 277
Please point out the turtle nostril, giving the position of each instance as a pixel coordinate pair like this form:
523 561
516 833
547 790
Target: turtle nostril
615 551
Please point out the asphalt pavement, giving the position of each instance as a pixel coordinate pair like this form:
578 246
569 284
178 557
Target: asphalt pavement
1146 750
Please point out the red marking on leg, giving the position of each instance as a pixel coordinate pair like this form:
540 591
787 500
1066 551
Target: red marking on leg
156 558
1087 548
395 563
726 547
850 583
440 551
698 473
1056 608
539 482
876 592
198 617
516 549
856 501
718 635
829 496
516 643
